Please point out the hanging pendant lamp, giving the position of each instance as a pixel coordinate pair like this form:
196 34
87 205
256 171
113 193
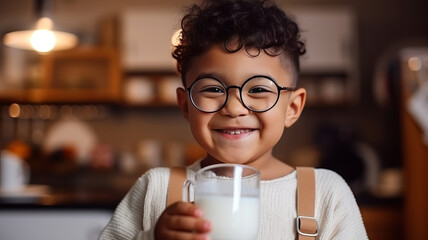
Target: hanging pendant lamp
43 38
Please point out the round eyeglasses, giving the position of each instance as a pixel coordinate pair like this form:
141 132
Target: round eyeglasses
258 93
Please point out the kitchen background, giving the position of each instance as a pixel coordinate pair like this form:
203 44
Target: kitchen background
90 120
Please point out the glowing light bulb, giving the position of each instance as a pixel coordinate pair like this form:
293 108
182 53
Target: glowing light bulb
415 64
43 40
14 110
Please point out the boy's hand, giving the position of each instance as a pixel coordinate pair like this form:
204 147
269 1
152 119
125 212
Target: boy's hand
182 221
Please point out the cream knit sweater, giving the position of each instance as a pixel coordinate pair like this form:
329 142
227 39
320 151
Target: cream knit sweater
336 209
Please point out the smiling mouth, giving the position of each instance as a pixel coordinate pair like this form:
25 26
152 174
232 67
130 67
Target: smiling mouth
235 131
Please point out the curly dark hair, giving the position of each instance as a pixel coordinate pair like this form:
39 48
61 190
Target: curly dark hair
254 24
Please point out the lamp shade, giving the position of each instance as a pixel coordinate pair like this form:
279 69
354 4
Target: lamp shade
42 39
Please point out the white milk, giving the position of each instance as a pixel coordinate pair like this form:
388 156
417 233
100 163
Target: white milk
230 221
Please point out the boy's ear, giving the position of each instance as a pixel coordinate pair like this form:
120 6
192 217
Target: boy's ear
182 102
295 106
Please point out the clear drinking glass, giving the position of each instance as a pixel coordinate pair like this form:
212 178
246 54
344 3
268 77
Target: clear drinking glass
229 196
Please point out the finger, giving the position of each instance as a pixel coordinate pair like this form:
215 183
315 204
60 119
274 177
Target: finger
191 224
184 208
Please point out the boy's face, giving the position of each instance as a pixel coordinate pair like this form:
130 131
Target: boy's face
235 134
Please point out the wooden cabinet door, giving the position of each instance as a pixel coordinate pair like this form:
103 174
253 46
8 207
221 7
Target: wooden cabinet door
415 162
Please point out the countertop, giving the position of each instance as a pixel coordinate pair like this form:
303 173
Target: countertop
80 190
62 199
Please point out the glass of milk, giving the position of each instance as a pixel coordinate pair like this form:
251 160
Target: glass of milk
228 195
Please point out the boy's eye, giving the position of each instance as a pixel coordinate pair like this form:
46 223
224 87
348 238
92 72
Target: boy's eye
212 89
208 86
260 89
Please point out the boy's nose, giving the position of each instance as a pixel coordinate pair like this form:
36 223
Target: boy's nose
234 106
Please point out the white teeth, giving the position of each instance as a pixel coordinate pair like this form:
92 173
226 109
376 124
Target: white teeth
235 132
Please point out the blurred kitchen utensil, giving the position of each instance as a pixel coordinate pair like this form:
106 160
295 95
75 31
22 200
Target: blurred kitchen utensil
71 133
139 90
149 152
14 172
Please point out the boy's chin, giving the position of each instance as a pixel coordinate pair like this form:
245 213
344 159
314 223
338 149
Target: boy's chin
227 159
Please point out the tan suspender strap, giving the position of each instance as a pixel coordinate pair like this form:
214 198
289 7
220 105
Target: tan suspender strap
177 177
306 224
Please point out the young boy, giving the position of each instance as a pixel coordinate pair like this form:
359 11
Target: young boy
239 62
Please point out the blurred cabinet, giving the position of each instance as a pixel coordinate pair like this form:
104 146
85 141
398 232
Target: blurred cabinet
146 36
86 74
383 222
415 151
330 66
330 37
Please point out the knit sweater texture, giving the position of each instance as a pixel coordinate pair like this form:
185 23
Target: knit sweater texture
336 210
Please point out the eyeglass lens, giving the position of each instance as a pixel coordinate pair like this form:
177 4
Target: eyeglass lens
257 94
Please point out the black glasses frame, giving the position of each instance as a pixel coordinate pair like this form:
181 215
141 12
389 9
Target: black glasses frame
280 88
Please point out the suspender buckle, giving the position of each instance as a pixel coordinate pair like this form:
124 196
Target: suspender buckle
307 226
